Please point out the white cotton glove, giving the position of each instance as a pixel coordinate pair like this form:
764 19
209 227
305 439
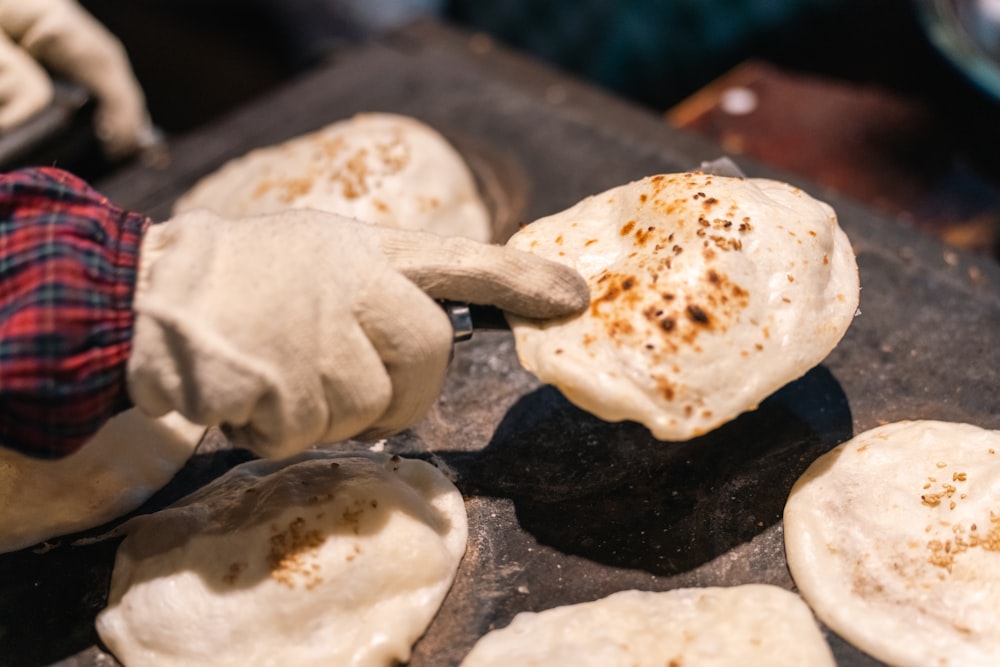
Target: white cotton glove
25 88
63 37
302 327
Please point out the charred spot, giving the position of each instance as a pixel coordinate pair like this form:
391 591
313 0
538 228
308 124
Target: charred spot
668 324
609 295
666 389
703 221
618 328
615 288
697 315
727 244
643 197
667 296
628 227
652 313
677 249
713 277
559 240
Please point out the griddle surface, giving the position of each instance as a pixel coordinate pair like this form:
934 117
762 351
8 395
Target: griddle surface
563 507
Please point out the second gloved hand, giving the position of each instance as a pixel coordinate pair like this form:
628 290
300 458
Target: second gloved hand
64 37
303 327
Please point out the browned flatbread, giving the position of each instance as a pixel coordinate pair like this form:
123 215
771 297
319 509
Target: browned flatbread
708 293
380 168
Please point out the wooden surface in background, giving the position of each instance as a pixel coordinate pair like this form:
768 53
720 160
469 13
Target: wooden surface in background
889 152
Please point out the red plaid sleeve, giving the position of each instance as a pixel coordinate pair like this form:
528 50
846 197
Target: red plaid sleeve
68 260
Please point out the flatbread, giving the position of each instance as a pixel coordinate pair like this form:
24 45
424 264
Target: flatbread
380 168
323 559
744 626
893 538
708 293
125 463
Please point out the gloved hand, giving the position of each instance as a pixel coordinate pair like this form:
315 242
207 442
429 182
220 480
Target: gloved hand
302 327
62 36
25 88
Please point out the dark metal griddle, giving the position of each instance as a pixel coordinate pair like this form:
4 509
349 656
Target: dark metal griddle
563 507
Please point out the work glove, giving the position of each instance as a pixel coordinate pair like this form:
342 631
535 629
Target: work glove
25 88
304 326
63 37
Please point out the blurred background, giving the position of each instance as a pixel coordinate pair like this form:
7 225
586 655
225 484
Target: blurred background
865 97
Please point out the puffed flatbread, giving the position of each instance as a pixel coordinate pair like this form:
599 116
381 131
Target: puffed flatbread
380 168
708 293
322 559
893 538
117 470
742 626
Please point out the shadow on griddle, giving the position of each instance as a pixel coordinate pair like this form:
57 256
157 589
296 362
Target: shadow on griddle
613 494
52 593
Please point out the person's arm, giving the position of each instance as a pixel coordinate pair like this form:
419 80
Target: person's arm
68 261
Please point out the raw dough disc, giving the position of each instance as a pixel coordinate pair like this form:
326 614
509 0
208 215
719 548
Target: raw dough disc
117 470
893 538
321 559
381 168
744 626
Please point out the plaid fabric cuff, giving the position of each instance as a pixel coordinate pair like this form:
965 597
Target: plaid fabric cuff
68 263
